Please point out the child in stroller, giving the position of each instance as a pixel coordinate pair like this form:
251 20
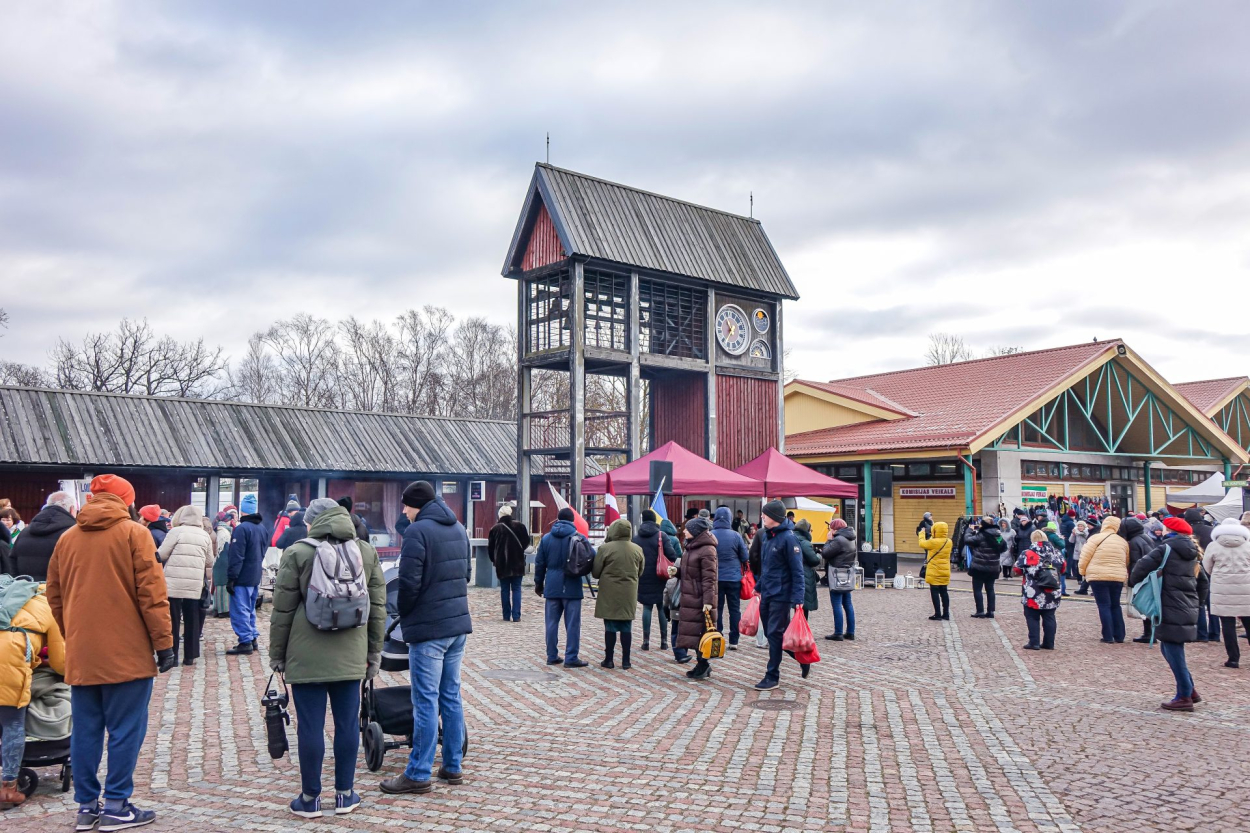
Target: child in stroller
387 711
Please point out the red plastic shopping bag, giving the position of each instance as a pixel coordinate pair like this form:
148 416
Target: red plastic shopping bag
808 657
748 585
798 637
749 624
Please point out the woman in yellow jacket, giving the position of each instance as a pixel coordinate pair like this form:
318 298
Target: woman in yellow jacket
31 619
1104 564
937 569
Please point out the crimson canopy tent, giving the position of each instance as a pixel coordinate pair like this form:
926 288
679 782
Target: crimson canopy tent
692 475
783 477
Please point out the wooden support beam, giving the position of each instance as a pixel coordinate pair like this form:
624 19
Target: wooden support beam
709 408
577 386
634 390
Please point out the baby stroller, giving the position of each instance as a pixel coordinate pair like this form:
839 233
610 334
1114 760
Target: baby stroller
48 724
387 711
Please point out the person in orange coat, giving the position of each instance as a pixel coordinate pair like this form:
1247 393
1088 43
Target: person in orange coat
107 594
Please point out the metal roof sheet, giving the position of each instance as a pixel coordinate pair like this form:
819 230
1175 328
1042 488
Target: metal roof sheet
57 427
614 222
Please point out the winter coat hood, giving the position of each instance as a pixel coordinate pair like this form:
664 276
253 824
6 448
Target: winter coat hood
333 523
563 529
1131 528
1111 524
35 622
1230 533
620 530
102 512
940 529
723 519
33 549
187 555
666 526
51 520
435 510
187 516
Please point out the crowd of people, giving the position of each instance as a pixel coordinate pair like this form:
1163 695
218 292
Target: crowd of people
102 597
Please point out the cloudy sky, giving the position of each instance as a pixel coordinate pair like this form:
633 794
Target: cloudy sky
1029 174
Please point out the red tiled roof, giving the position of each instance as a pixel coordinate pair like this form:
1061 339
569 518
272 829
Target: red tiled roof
1207 394
952 403
865 396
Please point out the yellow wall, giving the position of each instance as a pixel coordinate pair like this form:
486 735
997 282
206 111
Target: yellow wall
909 511
1157 493
807 413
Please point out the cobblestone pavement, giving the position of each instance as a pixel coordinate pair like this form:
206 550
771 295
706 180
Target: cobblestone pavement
918 725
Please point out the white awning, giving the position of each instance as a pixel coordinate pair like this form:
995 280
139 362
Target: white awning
1229 507
1210 490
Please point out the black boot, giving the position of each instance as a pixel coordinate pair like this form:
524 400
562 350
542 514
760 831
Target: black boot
626 638
609 650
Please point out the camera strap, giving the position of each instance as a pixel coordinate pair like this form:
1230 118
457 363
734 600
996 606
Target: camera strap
281 679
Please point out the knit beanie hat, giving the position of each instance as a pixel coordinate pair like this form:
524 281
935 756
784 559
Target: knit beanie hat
649 516
1154 526
111 484
292 505
1178 525
418 494
346 502
837 523
248 505
150 513
803 526
505 511
566 514
776 510
316 507
697 526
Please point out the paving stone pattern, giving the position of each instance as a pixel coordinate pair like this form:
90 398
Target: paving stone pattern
916 726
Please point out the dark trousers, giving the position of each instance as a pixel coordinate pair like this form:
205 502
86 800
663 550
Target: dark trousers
1174 653
1073 572
310 718
661 623
729 591
679 654
774 619
1208 625
1110 614
983 582
510 596
186 612
570 610
1043 620
1228 625
941 598
1006 568
121 710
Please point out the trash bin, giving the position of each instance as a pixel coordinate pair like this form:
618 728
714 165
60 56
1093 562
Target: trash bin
484 571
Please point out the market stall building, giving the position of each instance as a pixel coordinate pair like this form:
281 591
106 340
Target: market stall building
211 453
1010 431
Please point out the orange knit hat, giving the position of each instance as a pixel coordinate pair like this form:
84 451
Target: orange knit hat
111 484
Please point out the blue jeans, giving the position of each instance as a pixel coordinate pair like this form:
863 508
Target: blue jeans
121 709
571 611
1208 625
12 741
510 595
1110 614
839 601
731 592
1174 653
243 613
435 676
310 713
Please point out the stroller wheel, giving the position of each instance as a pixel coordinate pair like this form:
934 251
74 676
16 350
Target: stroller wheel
375 746
67 777
27 781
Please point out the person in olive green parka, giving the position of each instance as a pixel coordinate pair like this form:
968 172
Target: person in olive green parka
321 665
618 566
803 531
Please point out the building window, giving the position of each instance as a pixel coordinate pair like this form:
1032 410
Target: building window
947 469
849 472
898 470
1030 469
607 309
919 470
199 493
672 319
547 312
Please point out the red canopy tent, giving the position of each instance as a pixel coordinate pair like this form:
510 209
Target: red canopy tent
783 477
692 475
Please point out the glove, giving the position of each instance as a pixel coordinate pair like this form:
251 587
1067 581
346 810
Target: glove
277 666
374 665
538 588
230 588
165 660
672 571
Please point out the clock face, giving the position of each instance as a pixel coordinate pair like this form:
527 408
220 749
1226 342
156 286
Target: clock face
760 319
760 349
733 329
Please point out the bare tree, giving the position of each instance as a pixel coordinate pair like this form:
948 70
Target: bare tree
256 378
132 359
481 368
23 375
307 357
1001 350
368 371
945 348
422 346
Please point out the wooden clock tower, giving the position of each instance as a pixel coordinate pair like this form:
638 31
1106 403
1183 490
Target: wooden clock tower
674 297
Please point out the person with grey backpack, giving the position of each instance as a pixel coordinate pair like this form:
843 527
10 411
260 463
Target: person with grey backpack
325 637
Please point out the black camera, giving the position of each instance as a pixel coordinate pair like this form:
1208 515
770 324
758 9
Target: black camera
276 718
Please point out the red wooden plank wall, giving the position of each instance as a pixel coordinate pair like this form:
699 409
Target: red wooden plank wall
544 244
746 419
679 412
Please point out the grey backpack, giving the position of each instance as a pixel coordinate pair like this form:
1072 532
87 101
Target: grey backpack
338 591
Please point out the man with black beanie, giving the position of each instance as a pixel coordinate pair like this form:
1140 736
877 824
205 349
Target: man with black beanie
780 586
433 603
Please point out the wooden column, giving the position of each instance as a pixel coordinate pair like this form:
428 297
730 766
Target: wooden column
468 506
577 386
710 407
212 496
524 377
634 390
781 385
867 502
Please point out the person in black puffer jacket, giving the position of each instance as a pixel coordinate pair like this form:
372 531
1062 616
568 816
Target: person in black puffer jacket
1184 582
1140 544
840 554
987 545
650 583
33 550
